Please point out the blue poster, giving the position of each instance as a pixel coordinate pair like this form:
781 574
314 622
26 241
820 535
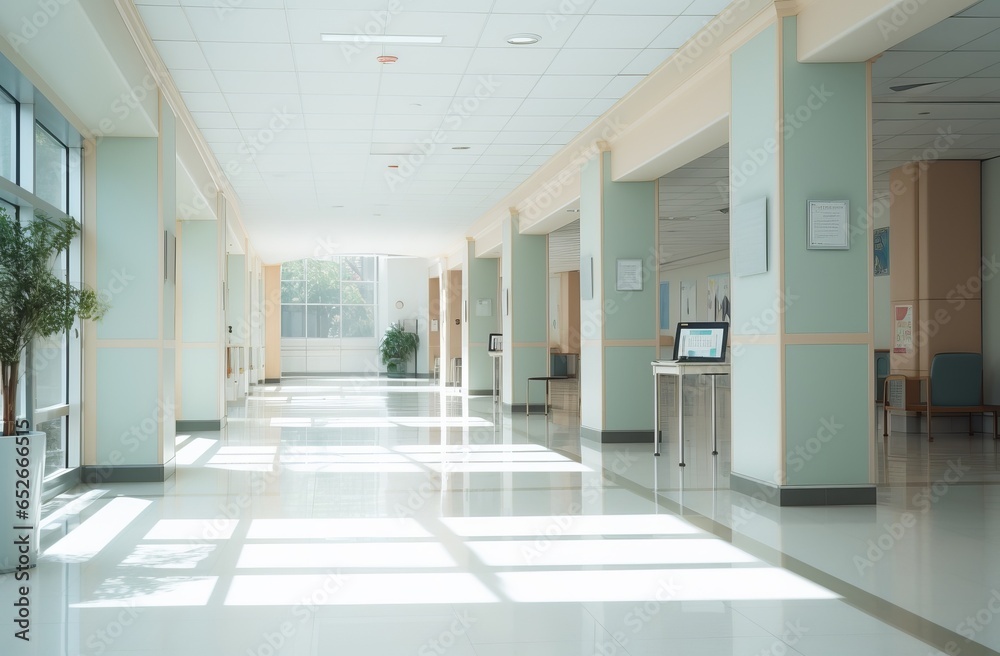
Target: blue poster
664 306
882 251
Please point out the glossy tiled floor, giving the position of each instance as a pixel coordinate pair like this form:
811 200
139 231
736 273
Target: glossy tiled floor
352 516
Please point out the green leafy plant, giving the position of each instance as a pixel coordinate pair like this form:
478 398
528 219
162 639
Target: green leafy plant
397 346
34 302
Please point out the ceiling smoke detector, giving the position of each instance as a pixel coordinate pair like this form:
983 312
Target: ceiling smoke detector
387 59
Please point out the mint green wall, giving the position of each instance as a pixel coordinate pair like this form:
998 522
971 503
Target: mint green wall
628 387
591 311
168 167
629 233
827 411
756 426
236 306
480 278
525 273
826 147
200 388
169 403
754 174
128 407
199 255
128 237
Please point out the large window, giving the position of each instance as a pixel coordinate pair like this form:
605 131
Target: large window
51 168
329 299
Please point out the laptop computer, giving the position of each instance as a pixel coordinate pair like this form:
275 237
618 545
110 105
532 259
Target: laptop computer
701 341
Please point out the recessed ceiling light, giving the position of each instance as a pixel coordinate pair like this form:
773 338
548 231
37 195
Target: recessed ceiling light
525 39
460 147
387 59
380 38
394 166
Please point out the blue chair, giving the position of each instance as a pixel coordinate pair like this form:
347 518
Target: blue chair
881 373
955 386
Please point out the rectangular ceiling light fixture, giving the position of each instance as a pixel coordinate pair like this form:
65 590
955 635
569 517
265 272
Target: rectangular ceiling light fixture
381 38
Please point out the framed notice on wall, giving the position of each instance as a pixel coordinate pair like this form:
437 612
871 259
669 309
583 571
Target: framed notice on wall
629 276
903 324
829 226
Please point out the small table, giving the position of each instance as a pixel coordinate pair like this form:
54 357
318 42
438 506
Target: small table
527 391
681 369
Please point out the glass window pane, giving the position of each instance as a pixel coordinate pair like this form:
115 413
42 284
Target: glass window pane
48 368
358 293
293 270
51 164
324 321
293 291
324 282
359 321
293 321
8 137
55 444
359 267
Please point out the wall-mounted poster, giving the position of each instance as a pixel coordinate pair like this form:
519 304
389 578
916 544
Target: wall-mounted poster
665 306
719 305
903 315
881 251
689 300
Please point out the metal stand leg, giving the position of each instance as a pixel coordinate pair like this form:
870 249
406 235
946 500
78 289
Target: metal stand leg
680 415
715 432
656 414
527 399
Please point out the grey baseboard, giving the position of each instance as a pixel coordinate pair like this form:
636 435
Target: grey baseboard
61 482
101 474
483 392
617 436
819 495
199 425
522 408
272 381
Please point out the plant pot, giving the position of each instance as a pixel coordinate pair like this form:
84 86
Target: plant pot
396 368
20 492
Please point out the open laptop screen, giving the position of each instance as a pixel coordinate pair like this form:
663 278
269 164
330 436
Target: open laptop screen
701 341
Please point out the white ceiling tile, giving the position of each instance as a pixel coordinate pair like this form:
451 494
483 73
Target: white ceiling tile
640 7
678 33
514 137
578 123
950 34
500 86
955 65
988 8
618 31
422 105
330 104
598 106
621 85
428 59
647 61
989 42
248 56
458 29
328 57
554 34
498 106
556 8
307 25
256 81
512 61
339 121
407 122
166 23
342 84
586 61
552 107
420 85
227 7
706 7
972 87
205 102
157 2
538 123
182 54
264 103
896 63
259 121
570 86
462 137
562 138
476 122
195 81
503 149
222 135
241 26
546 152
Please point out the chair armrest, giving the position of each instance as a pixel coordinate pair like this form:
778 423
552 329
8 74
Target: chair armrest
891 377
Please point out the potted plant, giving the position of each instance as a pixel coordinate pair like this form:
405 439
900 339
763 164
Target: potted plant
34 303
396 348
